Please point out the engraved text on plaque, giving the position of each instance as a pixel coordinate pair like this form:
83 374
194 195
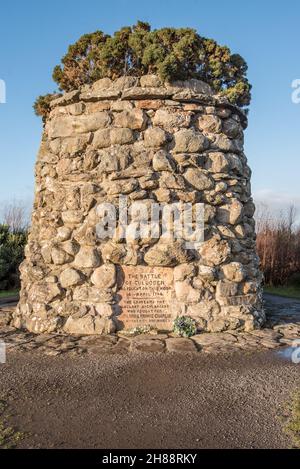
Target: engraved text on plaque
146 296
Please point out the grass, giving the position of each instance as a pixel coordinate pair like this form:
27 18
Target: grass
288 291
9 437
292 426
8 293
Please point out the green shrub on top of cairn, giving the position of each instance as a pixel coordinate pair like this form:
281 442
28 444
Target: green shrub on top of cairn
170 53
184 326
42 104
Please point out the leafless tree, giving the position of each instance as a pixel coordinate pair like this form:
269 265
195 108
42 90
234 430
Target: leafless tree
278 245
15 216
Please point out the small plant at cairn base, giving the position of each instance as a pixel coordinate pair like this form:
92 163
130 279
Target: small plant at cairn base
184 326
171 53
147 329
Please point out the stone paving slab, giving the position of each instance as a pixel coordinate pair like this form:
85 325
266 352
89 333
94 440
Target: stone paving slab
147 345
180 344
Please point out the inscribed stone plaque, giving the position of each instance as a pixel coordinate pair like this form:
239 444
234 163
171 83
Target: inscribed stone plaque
146 296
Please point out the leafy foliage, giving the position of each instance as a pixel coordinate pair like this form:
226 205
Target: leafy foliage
184 326
42 104
173 54
12 246
146 329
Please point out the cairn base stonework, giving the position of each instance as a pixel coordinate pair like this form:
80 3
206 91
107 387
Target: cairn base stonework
153 143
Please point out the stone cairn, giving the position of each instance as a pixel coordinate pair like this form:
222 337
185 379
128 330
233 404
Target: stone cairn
151 142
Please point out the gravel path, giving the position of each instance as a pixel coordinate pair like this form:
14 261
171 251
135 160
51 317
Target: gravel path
143 400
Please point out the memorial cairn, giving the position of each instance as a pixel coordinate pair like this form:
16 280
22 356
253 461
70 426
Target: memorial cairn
143 210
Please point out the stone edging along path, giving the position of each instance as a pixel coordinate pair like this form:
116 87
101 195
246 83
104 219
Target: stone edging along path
283 327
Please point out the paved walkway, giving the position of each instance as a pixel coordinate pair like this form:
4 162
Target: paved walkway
277 299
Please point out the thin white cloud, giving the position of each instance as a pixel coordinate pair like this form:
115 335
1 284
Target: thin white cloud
277 202
24 203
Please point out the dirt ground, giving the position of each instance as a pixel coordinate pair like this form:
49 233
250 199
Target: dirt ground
144 400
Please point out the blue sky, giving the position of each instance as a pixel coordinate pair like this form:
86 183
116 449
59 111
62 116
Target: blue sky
34 35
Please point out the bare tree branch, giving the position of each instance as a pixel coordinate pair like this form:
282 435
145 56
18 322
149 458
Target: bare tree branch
15 216
278 244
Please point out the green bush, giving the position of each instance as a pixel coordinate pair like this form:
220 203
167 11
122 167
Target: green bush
12 246
173 54
42 104
294 280
184 326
